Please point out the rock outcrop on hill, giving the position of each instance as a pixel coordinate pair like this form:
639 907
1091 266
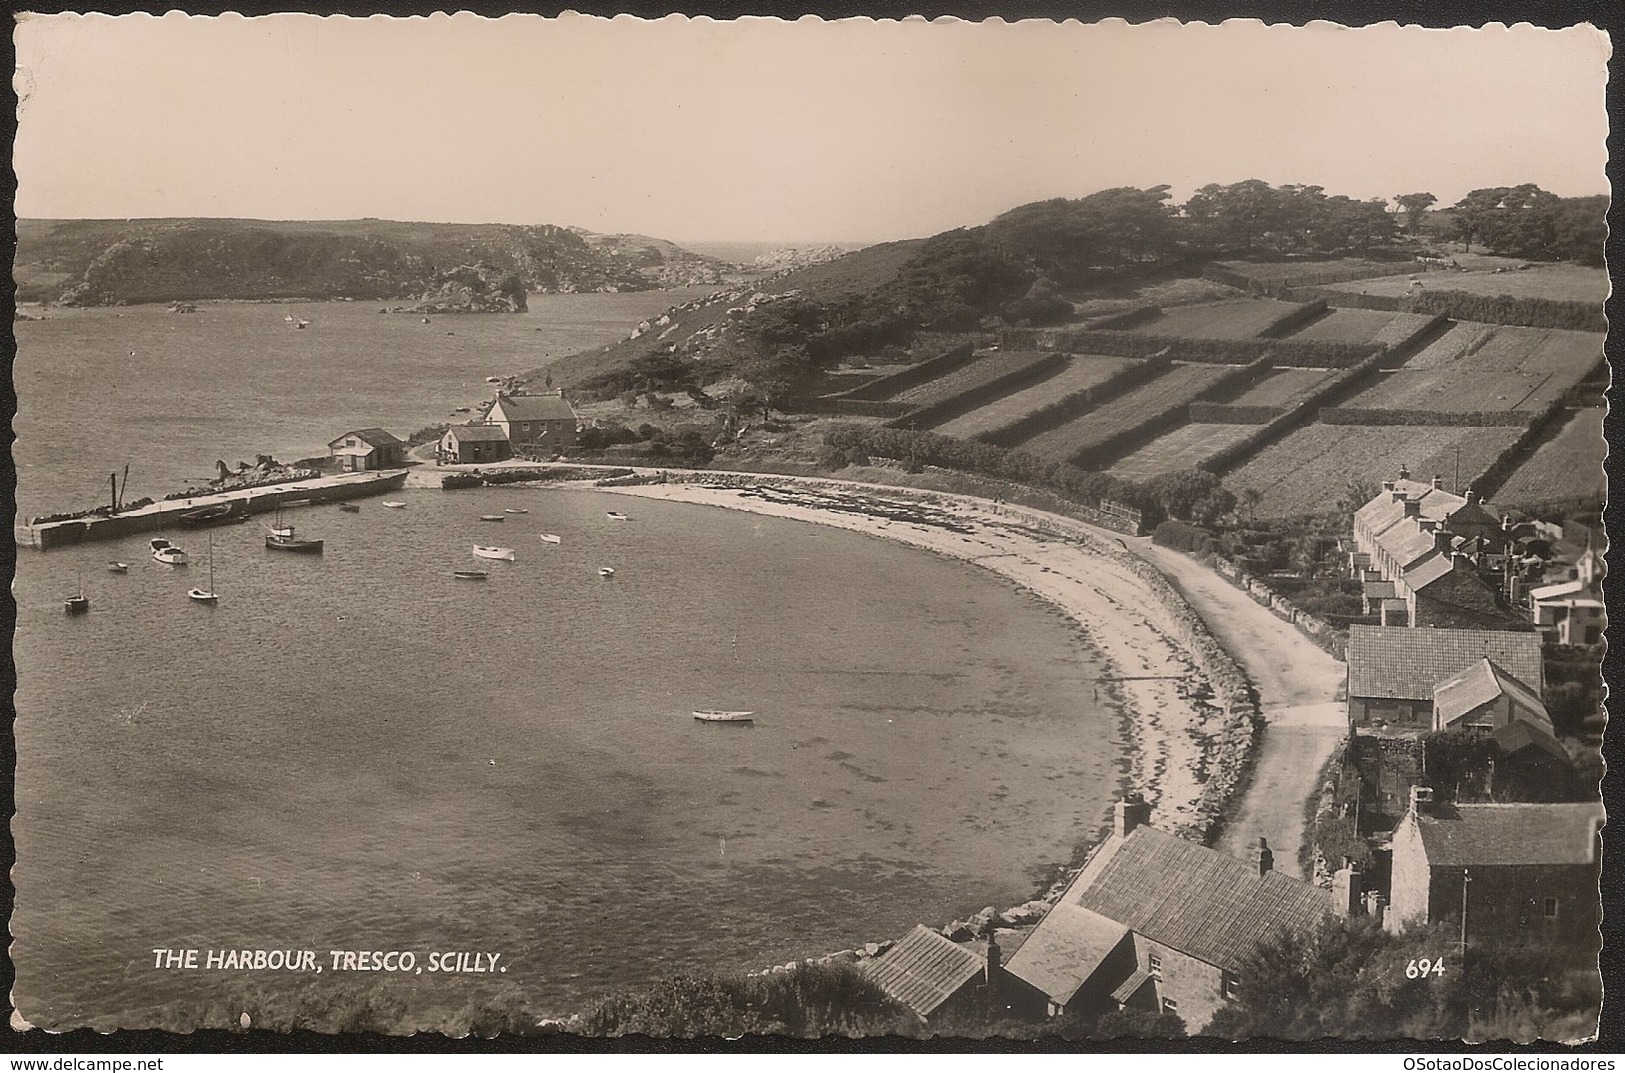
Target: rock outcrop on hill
797 257
478 288
111 262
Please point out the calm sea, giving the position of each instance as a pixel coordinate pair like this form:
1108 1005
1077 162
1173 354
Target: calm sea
358 751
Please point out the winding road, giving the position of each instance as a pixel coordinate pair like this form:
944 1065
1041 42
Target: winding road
1298 687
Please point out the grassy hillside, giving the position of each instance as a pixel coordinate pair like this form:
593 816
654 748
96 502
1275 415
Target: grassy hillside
120 261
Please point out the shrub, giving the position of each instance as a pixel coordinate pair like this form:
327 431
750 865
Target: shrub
1182 536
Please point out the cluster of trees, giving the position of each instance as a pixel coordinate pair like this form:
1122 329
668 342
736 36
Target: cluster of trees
1526 221
1348 979
1292 218
689 445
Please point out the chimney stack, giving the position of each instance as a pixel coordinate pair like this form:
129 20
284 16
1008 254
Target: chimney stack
994 956
1421 799
1387 486
1472 496
1131 812
1438 482
1413 509
1263 857
1346 899
1441 540
1404 473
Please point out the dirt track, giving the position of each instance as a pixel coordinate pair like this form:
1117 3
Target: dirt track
1298 686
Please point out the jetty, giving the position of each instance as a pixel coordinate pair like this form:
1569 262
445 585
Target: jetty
106 524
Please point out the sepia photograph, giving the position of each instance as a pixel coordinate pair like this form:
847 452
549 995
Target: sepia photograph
560 529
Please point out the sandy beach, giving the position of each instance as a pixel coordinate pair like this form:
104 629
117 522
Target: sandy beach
1160 677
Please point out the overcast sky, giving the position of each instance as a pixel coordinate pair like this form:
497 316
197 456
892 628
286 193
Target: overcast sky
764 130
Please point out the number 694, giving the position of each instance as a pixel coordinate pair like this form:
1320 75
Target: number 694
1424 967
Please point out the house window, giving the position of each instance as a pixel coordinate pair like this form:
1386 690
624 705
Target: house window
1230 985
1170 1006
1548 908
1154 965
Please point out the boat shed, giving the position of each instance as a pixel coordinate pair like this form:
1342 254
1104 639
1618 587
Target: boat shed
367 448
929 973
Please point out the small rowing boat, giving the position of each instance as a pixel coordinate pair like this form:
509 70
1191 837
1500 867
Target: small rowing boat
349 508
394 504
469 575
493 518
617 516
515 510
712 715
486 552
118 568
551 538
606 571
167 553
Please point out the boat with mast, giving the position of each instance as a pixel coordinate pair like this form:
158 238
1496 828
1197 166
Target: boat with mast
79 604
208 595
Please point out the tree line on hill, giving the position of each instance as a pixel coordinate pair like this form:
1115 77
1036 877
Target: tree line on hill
1014 269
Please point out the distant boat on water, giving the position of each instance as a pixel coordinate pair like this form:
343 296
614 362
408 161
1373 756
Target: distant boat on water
469 575
118 568
493 518
167 553
208 595
349 508
78 604
515 510
713 715
487 552
394 504
281 538
217 514
551 538
617 515
606 571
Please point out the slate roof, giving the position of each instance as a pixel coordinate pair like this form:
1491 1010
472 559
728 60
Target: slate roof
1517 736
1378 589
1425 572
1465 836
924 969
533 408
1065 950
1398 662
1125 990
476 433
1407 543
372 437
1480 684
1209 905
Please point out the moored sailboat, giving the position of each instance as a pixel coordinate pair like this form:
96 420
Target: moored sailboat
208 595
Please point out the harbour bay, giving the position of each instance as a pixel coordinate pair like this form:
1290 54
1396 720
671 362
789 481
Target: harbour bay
358 751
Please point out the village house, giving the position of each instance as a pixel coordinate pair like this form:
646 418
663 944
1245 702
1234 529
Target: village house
1419 552
1155 922
1485 696
538 424
1520 872
1393 670
367 448
1572 612
933 975
473 443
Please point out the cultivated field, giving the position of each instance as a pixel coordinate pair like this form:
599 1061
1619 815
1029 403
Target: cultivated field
1283 387
1179 385
1241 319
1180 449
1561 282
1082 371
1315 273
1307 471
1487 367
1568 466
1346 326
984 369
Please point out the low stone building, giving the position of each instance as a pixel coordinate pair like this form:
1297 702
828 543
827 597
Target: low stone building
1393 670
473 443
933 975
1485 696
1522 872
1155 922
367 448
